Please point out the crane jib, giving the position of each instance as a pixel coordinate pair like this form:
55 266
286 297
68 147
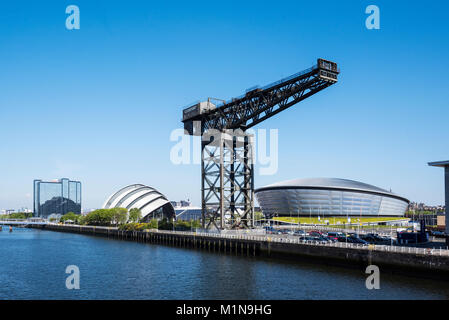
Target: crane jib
246 110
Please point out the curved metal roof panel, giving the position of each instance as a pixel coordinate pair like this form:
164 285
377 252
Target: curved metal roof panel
139 196
113 198
328 183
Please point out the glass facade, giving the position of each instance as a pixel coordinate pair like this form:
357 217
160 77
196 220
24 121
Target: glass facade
56 197
188 214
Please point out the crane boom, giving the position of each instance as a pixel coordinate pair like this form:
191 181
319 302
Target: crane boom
259 104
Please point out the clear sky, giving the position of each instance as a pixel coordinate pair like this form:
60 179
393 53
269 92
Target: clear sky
98 104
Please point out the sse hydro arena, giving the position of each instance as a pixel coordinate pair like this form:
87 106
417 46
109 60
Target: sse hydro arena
328 197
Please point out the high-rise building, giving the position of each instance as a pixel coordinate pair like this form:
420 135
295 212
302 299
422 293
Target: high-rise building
56 197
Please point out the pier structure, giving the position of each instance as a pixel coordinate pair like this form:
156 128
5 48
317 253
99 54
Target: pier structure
421 261
23 222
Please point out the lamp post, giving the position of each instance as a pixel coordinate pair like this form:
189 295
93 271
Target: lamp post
391 234
310 215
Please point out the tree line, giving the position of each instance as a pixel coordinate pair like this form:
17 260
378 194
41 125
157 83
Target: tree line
119 217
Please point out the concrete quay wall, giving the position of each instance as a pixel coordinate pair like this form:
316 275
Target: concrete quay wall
422 263
403 262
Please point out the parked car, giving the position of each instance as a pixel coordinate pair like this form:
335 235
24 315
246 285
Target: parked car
320 240
306 238
357 240
376 237
315 233
437 233
331 239
334 235
299 233
368 238
388 240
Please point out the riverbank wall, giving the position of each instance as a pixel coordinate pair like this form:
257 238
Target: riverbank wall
414 261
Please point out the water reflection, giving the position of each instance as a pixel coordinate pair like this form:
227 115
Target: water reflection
33 267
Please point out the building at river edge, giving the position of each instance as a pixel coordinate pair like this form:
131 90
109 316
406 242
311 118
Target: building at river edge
56 197
148 200
328 197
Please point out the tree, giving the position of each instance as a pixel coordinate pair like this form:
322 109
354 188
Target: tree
119 215
165 224
153 224
106 217
82 220
258 215
70 216
100 217
134 215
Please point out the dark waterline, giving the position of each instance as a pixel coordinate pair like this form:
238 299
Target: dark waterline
33 264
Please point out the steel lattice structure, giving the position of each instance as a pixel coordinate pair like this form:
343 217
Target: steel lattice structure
227 168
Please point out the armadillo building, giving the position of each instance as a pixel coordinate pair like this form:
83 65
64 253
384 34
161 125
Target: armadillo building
151 202
328 197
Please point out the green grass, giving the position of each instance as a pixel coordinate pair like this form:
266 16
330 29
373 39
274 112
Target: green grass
336 220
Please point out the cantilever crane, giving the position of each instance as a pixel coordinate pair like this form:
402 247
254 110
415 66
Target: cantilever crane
227 170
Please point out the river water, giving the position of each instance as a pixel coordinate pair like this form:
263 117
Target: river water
33 264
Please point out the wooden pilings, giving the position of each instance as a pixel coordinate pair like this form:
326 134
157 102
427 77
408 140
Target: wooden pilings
211 243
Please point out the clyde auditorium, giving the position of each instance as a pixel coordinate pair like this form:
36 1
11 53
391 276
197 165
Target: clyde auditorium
148 200
328 197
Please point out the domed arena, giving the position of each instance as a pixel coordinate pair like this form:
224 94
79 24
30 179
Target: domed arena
328 197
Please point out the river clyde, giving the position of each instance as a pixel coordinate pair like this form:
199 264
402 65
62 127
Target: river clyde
33 264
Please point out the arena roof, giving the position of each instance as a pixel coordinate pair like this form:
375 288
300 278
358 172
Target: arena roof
328 183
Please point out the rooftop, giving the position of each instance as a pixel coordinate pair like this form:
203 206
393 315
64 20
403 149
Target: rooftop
439 163
328 183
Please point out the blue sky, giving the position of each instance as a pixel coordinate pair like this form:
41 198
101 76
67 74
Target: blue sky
98 104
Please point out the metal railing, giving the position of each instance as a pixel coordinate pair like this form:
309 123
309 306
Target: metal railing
266 238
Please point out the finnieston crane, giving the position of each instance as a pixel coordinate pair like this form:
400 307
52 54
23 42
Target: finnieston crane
227 171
